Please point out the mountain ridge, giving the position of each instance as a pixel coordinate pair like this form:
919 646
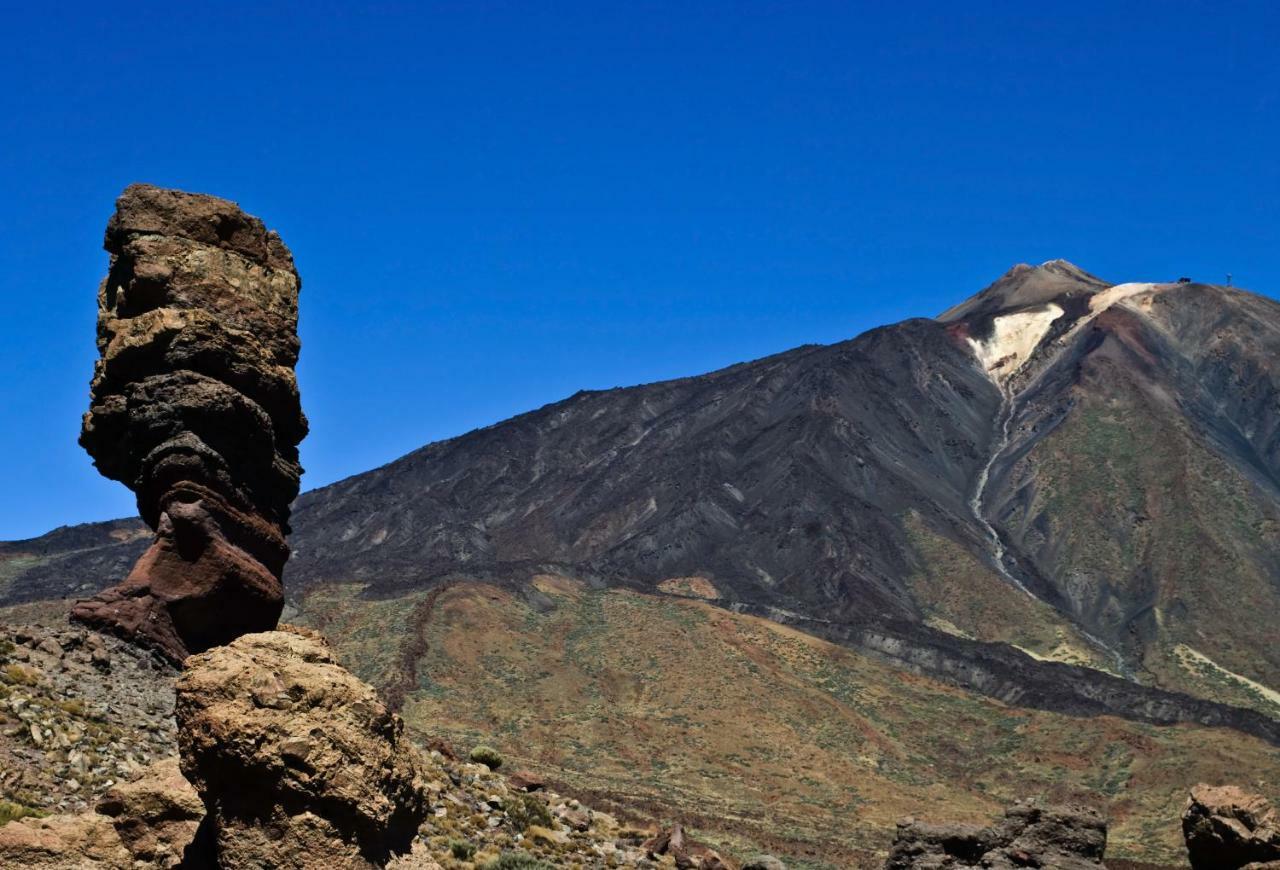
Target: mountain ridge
838 482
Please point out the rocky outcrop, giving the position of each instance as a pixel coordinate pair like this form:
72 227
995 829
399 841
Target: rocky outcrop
147 823
1227 828
683 852
155 816
298 762
1065 838
195 407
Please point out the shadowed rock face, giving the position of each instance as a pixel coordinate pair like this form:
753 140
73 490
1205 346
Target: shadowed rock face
1226 828
195 408
1065 838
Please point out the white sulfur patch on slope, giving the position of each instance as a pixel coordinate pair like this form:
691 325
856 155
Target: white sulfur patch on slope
1104 299
1014 337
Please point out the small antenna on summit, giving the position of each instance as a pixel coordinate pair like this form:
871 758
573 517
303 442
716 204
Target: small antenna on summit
1228 279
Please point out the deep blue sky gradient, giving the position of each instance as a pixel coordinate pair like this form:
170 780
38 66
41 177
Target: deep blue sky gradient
493 205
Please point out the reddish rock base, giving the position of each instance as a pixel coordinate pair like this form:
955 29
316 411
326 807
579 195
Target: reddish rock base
196 587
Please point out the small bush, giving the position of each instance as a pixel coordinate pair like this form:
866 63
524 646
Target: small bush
525 810
6 650
19 676
10 811
515 861
486 755
74 706
461 849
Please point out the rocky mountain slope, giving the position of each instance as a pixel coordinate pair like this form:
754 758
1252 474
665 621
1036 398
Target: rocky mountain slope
1086 472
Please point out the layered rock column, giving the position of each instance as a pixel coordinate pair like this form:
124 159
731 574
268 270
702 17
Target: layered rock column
195 407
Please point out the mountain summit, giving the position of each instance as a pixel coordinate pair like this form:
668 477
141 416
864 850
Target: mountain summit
1025 286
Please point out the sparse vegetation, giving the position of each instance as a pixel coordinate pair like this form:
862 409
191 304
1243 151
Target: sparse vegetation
73 706
9 811
19 676
525 810
832 734
462 849
515 861
486 755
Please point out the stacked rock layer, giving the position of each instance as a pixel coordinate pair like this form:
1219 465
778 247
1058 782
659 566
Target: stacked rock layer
195 407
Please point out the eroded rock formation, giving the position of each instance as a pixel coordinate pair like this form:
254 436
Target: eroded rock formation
1065 838
298 762
1228 828
195 407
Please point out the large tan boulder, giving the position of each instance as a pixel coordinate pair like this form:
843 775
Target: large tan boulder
1227 828
298 762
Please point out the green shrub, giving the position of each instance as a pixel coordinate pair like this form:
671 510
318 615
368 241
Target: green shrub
10 811
74 706
19 676
515 861
524 810
461 849
486 755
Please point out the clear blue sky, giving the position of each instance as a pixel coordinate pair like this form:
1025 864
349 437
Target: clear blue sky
493 205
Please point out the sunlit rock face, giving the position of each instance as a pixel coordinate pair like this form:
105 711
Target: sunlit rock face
195 407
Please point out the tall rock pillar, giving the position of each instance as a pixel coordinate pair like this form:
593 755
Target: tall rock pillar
195 407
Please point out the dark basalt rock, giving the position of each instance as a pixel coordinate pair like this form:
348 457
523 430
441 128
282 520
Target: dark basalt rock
1065 838
195 407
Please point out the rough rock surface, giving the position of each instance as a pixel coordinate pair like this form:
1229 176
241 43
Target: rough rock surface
1065 838
1227 828
145 823
195 407
156 816
298 762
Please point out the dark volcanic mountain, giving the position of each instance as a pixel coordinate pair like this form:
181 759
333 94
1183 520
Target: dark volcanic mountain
1058 478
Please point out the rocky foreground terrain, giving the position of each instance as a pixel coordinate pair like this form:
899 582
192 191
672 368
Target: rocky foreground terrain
91 751
275 756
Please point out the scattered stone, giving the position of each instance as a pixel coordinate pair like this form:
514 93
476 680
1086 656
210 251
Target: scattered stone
764 862
1065 838
195 407
114 721
1226 828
